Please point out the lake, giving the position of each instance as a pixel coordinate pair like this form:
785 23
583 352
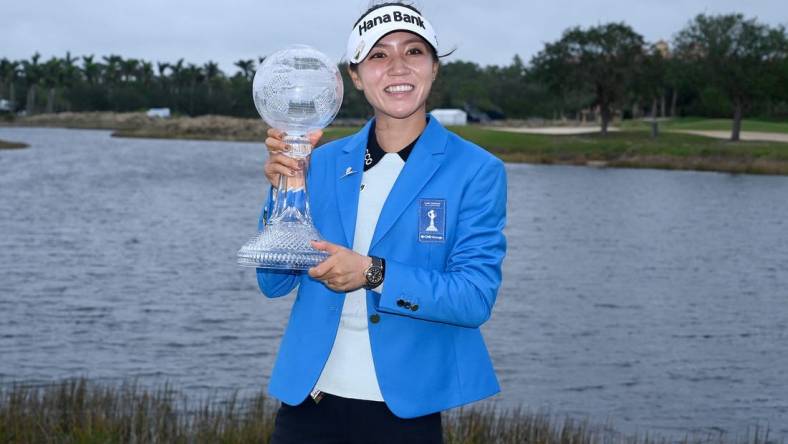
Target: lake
655 300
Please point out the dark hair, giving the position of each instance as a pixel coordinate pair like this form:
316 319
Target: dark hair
433 51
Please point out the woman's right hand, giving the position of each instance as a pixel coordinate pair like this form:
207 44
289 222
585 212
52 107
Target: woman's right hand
278 162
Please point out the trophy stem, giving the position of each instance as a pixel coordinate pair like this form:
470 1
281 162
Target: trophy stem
284 243
291 203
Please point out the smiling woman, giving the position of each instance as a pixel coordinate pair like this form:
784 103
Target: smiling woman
384 334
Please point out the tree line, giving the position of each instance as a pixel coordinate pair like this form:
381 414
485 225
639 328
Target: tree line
716 66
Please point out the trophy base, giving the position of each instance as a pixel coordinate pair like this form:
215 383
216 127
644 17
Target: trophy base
282 246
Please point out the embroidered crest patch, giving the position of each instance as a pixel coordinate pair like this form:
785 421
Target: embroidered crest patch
432 220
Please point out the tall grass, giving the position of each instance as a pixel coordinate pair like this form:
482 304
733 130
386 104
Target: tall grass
79 411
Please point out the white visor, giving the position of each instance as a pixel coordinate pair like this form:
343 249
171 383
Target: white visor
379 22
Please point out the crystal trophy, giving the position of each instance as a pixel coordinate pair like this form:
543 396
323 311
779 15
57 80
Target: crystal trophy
297 90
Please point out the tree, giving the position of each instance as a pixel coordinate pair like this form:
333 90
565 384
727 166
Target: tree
176 74
194 76
90 69
650 83
212 74
246 67
32 72
112 72
739 57
602 60
145 73
9 70
129 69
53 72
510 88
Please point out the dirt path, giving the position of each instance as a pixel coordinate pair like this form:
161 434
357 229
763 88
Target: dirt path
569 130
553 130
744 135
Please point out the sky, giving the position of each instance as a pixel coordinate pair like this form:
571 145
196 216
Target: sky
488 32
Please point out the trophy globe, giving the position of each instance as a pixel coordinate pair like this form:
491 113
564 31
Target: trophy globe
296 90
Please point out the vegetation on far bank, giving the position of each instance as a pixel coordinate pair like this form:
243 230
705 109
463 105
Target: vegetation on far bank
630 148
11 145
81 411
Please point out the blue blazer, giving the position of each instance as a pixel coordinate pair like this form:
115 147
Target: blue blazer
443 270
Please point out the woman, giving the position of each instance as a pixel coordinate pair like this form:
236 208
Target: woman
384 334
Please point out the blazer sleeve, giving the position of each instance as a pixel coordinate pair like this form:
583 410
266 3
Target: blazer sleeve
465 292
274 283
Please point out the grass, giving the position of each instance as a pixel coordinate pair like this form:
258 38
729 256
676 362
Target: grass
12 145
78 411
629 148
704 124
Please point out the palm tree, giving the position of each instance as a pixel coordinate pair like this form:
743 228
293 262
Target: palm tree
162 67
90 69
212 72
145 72
32 72
246 67
128 69
112 76
70 75
193 75
112 69
53 74
162 78
177 75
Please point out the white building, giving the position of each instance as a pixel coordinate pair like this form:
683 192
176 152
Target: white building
450 116
163 113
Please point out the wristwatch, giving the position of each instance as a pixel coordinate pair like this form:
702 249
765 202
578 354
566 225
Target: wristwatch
375 273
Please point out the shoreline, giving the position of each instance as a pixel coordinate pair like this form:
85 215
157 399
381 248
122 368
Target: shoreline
8 145
658 162
548 146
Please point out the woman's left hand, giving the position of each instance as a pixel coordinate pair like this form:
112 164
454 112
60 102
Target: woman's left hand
343 270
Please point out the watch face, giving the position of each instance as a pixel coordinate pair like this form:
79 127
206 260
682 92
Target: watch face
374 275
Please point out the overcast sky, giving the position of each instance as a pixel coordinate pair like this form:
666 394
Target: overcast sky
483 31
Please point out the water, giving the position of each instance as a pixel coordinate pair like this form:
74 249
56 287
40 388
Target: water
653 299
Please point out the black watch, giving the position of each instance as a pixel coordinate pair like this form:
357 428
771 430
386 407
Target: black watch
375 273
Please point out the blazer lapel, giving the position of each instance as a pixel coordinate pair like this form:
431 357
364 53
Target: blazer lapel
348 171
424 160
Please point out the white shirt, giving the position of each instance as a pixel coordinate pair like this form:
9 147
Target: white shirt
350 371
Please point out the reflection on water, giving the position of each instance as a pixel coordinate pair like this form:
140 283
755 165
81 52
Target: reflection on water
654 299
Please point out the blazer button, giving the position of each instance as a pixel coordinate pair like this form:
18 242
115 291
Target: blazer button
414 307
374 319
400 302
407 305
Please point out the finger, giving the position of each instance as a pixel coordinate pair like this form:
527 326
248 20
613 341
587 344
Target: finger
272 170
275 170
321 270
327 246
275 145
315 136
287 161
275 133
